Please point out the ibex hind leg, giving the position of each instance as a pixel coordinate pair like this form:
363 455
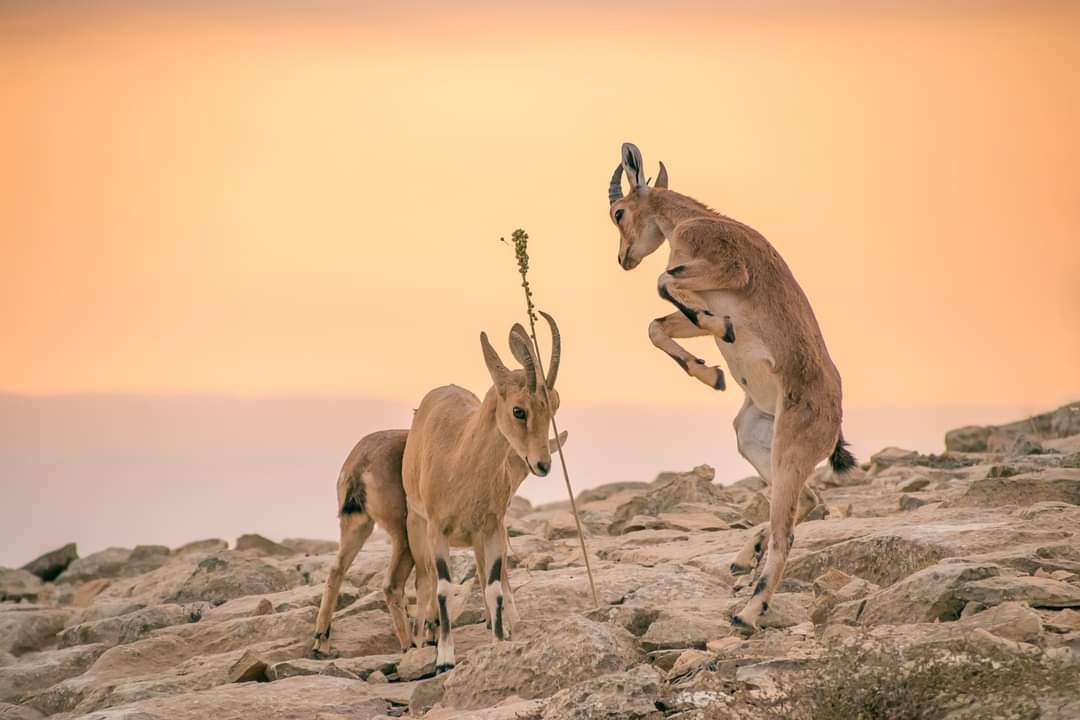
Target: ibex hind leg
754 435
799 444
356 527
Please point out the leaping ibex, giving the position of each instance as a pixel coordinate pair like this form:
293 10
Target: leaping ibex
464 460
727 281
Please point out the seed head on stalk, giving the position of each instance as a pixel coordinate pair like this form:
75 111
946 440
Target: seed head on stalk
520 238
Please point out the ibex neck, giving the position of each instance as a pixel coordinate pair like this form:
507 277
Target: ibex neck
491 456
671 208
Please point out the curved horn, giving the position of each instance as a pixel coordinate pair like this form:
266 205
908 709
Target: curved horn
661 179
614 193
521 347
556 350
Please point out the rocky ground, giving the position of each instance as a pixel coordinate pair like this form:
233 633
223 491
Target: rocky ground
946 580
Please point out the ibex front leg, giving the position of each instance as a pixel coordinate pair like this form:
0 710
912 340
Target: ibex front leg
440 551
677 325
494 572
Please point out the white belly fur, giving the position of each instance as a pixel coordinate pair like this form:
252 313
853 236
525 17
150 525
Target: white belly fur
750 364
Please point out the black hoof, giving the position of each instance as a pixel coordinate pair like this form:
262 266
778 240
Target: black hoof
719 384
737 569
729 331
742 626
440 669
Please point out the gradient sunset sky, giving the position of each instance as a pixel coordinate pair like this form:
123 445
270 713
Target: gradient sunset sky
276 198
235 236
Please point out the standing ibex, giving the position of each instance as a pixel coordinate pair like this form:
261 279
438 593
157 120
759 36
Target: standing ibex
726 280
369 491
464 460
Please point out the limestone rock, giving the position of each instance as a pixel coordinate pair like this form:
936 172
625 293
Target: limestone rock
231 575
25 628
210 546
1035 591
311 547
108 563
49 566
630 695
925 596
572 650
41 670
300 697
1049 485
19 585
258 545
417 663
126 628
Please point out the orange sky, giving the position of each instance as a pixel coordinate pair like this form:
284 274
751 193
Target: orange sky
309 201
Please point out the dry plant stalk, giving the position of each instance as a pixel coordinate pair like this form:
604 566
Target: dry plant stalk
521 242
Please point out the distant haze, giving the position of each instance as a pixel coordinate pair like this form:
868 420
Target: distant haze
127 470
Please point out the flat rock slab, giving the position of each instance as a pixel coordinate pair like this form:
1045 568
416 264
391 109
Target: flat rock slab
301 697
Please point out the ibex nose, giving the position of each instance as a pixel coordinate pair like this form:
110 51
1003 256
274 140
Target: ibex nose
542 468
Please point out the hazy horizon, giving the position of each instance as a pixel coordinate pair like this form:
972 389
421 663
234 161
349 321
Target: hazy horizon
105 470
222 209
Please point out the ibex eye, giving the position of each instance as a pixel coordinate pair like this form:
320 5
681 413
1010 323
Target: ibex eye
618 215
519 413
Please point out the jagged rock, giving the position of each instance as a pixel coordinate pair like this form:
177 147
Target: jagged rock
630 695
910 502
1035 591
25 628
211 546
311 547
145 558
603 492
1050 485
49 566
258 545
299 697
108 563
925 596
757 509
670 490
1060 423
971 438
372 668
126 628
883 558
249 668
417 663
19 585
1010 620
786 610
890 456
223 577
572 650
84 595
680 628
18 712
41 670
913 485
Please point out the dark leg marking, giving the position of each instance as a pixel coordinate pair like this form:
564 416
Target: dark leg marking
720 383
764 608
690 313
499 617
442 570
761 584
790 540
496 571
444 616
729 330
682 363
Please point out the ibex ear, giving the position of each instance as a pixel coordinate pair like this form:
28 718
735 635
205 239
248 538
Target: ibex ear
494 363
554 445
633 166
661 179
